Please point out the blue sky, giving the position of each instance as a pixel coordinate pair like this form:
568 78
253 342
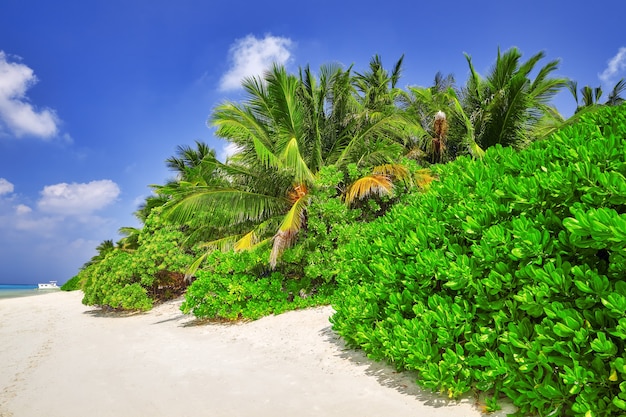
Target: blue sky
95 95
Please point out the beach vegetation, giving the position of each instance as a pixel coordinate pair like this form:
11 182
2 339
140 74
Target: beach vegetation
507 104
133 279
286 130
590 97
505 277
470 234
72 284
289 135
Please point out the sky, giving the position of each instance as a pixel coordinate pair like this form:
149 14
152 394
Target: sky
96 95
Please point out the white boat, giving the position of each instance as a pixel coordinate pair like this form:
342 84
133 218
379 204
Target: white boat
52 285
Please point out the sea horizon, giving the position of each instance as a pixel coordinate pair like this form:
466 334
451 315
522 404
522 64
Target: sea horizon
19 290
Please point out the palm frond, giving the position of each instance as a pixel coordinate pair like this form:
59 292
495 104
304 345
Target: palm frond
396 72
246 242
293 161
549 123
474 83
374 184
239 205
380 125
222 244
265 155
597 92
572 86
193 267
423 178
615 98
469 138
393 171
587 96
525 68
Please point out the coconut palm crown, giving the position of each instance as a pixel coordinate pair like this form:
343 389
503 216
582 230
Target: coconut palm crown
285 131
506 105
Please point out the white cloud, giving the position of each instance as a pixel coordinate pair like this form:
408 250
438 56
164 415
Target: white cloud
67 139
42 226
22 209
138 201
78 199
227 151
19 116
251 56
5 186
61 232
614 66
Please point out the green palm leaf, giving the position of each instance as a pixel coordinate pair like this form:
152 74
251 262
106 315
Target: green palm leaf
242 205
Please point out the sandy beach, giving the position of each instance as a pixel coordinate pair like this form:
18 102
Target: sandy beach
63 359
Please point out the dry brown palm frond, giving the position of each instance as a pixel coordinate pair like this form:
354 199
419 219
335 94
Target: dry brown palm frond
438 143
282 240
423 178
416 153
291 224
441 125
393 171
374 184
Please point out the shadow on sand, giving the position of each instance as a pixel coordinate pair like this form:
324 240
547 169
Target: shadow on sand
109 313
405 381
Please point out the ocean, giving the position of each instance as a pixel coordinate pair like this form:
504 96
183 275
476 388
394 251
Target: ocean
13 291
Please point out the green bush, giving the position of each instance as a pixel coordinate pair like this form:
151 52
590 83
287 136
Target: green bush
239 285
507 277
72 284
135 279
108 283
330 226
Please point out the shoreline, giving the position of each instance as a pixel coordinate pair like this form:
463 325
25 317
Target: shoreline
18 292
64 359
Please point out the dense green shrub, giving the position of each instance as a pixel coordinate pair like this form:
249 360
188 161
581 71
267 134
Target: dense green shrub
135 279
330 225
507 277
240 285
72 284
106 281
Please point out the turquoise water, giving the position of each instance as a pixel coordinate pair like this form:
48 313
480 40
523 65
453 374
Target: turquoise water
13 291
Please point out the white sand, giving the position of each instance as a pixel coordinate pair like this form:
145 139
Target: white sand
59 358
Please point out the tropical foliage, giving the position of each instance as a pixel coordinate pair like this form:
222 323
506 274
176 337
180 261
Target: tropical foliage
442 246
507 104
134 279
506 277
374 138
590 97
287 129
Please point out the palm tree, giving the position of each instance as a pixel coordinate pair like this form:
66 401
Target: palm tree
437 110
377 87
591 96
615 98
266 181
286 130
130 239
505 105
187 158
105 247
